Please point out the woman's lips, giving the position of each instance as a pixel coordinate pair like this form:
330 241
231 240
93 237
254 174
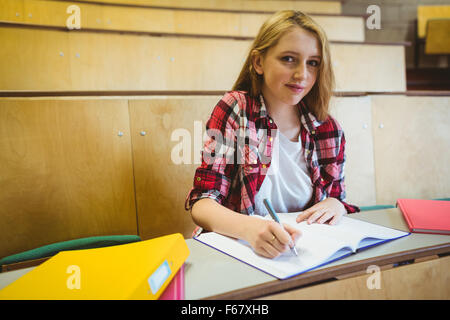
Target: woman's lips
295 88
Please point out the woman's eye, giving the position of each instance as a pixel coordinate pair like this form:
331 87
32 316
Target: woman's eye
288 59
314 63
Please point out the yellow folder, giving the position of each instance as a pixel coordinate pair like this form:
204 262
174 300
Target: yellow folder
139 270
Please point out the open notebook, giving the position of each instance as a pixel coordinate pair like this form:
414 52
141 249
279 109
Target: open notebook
319 244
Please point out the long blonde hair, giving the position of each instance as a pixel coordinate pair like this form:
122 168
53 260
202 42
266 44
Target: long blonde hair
268 36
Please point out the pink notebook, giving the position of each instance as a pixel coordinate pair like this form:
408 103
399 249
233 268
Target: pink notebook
426 216
175 289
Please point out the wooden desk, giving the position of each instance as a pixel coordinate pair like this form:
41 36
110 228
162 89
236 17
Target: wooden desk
210 274
232 279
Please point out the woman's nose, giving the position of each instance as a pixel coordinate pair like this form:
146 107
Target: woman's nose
300 72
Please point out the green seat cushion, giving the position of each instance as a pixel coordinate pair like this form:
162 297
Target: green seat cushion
77 244
378 207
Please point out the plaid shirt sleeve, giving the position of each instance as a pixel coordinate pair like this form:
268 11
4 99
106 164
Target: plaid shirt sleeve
214 176
338 186
324 143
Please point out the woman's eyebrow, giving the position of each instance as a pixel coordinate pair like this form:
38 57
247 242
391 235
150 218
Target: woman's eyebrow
297 54
291 52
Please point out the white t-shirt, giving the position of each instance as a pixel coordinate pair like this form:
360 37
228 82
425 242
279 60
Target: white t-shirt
288 183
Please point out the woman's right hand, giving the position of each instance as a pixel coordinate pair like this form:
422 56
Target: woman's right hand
266 237
269 239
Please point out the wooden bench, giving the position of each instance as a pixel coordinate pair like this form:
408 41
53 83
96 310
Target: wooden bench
333 7
53 59
439 42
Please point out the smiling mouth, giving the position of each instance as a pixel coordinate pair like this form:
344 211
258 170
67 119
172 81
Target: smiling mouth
295 88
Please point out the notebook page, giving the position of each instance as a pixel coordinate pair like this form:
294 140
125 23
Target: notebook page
370 234
354 233
345 233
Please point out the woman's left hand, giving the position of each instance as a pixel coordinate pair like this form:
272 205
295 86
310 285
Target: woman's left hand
330 209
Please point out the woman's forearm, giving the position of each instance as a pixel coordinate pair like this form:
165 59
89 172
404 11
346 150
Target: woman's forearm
212 216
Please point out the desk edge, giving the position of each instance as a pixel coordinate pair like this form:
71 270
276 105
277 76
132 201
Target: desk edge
317 276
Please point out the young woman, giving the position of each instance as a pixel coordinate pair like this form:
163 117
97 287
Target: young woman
292 150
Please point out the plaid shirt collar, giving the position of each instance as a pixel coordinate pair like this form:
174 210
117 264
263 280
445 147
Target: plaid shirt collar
308 120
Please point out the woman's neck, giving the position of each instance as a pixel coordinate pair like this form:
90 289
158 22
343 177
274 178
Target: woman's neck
286 118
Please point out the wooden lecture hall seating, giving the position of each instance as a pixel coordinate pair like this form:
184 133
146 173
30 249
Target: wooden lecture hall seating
433 29
90 118
432 42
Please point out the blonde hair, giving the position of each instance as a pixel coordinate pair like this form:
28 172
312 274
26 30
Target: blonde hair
268 36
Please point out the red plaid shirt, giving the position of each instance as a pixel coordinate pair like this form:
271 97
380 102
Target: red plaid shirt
237 154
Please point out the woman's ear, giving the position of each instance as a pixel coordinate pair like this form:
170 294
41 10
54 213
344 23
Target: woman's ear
257 62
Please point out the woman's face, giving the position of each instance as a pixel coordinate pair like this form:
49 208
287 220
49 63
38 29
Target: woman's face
290 68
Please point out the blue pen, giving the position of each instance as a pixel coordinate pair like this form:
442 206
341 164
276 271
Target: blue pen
275 217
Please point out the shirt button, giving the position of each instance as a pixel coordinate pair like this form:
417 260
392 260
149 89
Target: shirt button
270 139
198 178
313 132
